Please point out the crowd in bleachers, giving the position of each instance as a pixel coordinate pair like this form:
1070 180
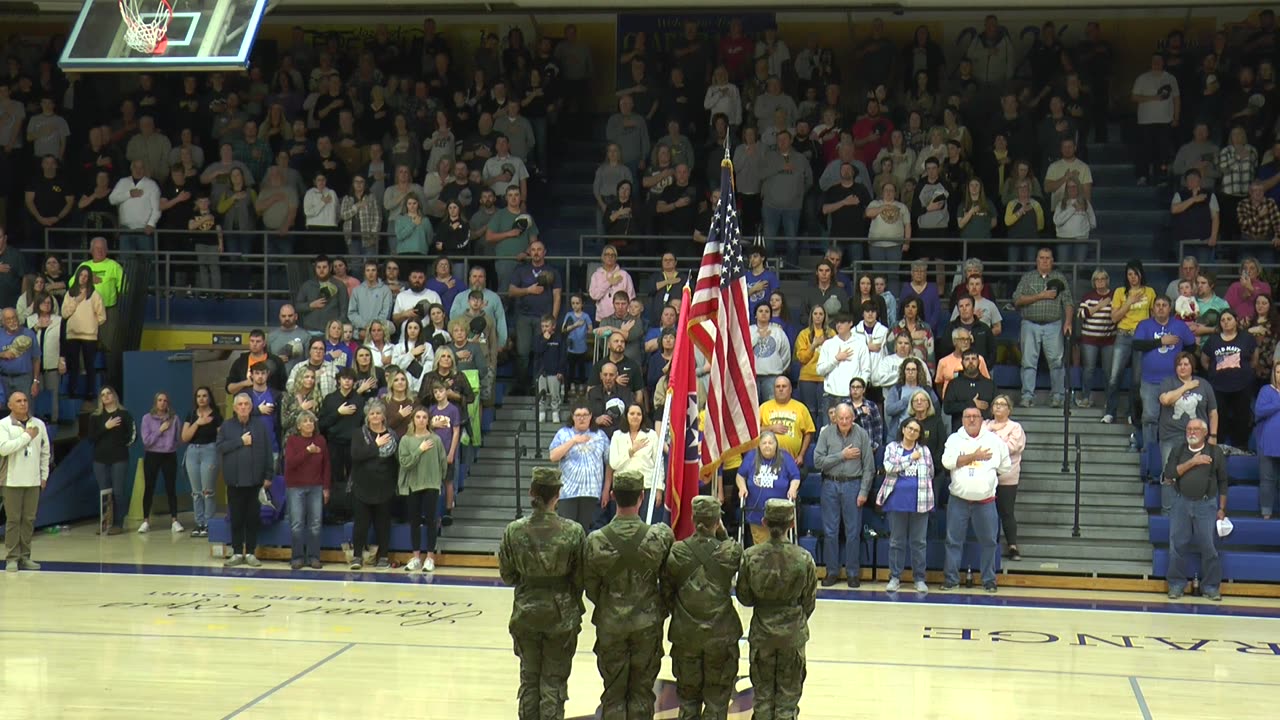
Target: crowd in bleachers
412 150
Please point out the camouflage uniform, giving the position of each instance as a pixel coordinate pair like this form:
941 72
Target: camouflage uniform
779 580
705 628
624 563
541 556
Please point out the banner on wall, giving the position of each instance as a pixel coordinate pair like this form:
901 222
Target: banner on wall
663 31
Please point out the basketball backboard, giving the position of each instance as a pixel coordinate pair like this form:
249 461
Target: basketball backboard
202 35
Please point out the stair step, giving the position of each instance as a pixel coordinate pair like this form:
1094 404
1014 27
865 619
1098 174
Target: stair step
465 512
1067 498
467 546
1066 566
1048 514
1087 532
1093 456
1084 549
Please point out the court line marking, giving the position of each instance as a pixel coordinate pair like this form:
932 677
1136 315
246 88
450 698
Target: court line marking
1142 701
878 597
290 681
433 646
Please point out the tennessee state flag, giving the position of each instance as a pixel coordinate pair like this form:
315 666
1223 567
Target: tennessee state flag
686 446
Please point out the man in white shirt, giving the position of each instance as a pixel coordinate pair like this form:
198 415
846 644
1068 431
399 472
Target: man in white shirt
841 359
1067 167
975 456
873 336
137 199
1155 93
409 300
24 454
504 170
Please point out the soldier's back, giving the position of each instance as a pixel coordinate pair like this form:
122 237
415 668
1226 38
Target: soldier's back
623 564
779 580
699 573
542 557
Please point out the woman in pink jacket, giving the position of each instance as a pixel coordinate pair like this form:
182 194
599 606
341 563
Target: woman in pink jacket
608 279
1010 431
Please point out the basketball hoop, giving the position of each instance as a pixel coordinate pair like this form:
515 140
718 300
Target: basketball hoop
146 32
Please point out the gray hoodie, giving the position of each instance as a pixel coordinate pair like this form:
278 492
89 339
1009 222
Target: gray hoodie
368 304
335 309
783 189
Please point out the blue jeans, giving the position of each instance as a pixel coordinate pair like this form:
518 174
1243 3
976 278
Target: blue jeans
764 387
886 260
306 507
201 463
112 476
1150 393
1046 337
1095 357
1119 359
785 224
1192 528
1076 252
809 393
908 528
1268 483
840 502
986 523
137 241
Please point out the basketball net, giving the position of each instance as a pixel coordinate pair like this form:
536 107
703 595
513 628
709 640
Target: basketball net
146 32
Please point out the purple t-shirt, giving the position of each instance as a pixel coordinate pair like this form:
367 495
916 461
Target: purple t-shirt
455 423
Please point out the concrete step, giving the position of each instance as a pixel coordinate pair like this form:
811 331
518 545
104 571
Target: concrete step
1088 532
1048 514
1091 436
505 468
466 513
1083 549
1065 497
1116 456
468 546
1064 566
475 531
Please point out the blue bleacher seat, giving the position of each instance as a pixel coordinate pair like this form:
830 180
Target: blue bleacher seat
1243 469
811 488
810 519
935 556
812 546
1244 566
1246 531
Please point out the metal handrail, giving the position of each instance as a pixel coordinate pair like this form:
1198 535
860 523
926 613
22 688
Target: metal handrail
519 455
1067 398
598 241
1075 524
537 425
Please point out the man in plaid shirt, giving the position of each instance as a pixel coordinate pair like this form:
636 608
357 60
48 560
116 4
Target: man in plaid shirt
1043 296
1260 222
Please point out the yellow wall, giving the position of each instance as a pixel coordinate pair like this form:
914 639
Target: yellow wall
168 338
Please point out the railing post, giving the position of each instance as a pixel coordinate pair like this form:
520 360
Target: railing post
519 454
1075 525
537 426
1066 400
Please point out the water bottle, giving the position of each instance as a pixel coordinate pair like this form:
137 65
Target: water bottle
52 530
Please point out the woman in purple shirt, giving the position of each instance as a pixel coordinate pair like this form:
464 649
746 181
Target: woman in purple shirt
160 429
767 473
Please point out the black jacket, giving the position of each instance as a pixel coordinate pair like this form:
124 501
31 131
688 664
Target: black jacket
339 428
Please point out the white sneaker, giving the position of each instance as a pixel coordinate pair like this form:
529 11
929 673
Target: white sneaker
922 587
1108 419
894 584
413 565
144 528
234 560
429 565
176 527
252 560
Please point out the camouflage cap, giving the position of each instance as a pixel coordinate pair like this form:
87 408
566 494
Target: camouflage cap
779 511
628 481
545 476
705 509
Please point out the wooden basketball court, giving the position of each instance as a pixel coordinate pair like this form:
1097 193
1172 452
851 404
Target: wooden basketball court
136 626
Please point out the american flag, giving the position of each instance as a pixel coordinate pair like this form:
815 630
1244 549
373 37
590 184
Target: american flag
719 326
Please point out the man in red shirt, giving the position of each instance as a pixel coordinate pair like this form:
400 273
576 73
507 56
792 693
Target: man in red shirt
871 133
735 51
